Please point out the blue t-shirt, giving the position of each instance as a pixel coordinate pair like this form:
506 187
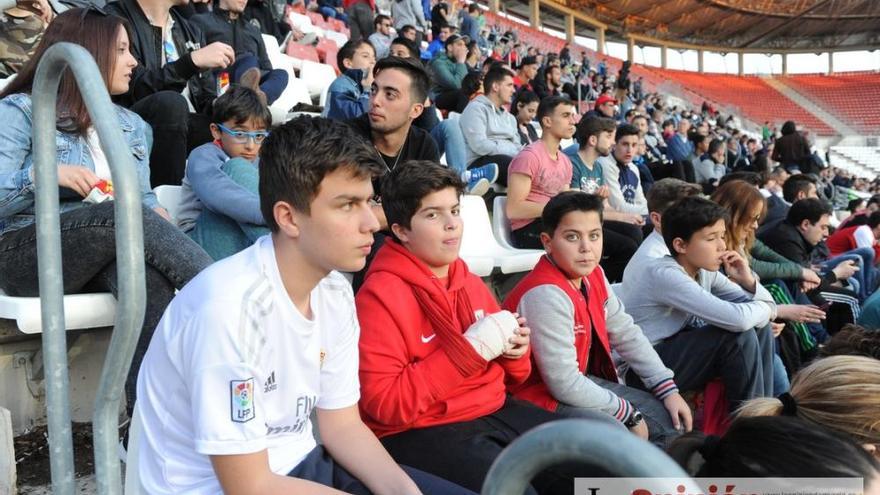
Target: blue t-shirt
582 177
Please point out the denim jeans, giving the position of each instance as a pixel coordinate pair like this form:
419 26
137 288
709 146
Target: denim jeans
866 276
272 82
333 14
220 235
743 360
88 254
450 140
781 384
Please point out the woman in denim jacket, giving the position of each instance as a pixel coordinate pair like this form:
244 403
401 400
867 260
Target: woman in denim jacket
87 230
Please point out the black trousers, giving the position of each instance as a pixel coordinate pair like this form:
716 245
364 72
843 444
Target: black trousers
176 132
620 241
503 161
463 452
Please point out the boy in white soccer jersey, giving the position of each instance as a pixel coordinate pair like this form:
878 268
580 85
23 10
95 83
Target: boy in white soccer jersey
256 341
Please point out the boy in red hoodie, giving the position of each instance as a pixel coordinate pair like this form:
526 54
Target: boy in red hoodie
436 351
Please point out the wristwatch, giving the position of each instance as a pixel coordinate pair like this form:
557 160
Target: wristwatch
634 419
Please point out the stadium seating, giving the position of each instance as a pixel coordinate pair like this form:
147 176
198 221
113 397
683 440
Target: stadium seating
478 241
843 95
751 96
80 311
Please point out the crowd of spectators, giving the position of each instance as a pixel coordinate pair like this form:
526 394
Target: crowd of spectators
682 255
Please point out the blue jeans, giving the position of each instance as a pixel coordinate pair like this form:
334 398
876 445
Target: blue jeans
272 82
220 235
320 468
332 13
781 384
865 278
450 140
88 263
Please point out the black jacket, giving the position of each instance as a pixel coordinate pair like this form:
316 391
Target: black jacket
240 34
150 76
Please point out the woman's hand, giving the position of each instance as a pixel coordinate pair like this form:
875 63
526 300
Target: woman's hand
77 178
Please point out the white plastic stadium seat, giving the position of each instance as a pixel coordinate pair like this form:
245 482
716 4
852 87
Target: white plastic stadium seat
169 198
338 38
478 241
500 222
317 76
80 311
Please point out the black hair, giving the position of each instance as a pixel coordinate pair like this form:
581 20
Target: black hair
796 184
697 138
404 188
239 104
380 19
775 447
472 83
854 204
407 27
665 192
420 82
812 209
624 130
592 126
495 75
409 44
852 340
688 216
548 106
348 49
565 203
874 219
715 145
297 155
523 97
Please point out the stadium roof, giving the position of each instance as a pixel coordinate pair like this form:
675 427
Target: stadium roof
754 25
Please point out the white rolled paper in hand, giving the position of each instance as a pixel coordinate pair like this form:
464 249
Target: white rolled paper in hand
491 335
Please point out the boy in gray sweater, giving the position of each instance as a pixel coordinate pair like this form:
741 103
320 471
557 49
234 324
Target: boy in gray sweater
704 323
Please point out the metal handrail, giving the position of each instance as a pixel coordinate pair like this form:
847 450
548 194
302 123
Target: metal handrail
614 450
131 293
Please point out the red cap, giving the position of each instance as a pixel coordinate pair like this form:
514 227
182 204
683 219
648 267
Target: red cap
605 99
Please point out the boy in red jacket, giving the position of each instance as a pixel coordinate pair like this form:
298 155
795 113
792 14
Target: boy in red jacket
571 302
436 351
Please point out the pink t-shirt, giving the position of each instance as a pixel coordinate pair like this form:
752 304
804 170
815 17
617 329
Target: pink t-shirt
549 177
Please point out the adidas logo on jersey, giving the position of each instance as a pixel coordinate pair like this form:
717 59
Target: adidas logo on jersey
270 384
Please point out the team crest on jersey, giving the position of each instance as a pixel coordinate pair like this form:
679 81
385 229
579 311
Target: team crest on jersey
479 314
242 400
322 356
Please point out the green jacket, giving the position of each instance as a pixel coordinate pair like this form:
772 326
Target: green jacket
769 264
447 73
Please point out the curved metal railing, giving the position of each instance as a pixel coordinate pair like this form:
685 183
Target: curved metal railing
129 260
616 451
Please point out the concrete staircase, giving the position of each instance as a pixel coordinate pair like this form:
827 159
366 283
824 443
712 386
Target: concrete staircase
808 105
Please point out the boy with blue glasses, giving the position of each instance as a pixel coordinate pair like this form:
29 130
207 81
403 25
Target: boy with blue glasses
220 206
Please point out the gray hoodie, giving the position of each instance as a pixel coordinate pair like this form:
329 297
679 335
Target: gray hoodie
488 130
408 12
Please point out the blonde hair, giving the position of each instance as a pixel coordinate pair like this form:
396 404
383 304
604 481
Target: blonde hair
839 392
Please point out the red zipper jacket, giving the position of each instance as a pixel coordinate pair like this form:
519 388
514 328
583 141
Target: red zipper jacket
408 379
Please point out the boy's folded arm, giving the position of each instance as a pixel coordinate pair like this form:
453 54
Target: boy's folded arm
218 192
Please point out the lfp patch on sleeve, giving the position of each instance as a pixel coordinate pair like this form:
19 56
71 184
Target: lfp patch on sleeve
242 400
